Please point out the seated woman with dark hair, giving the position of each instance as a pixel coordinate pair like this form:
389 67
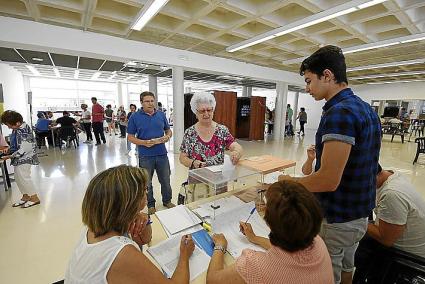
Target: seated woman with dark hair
294 253
111 210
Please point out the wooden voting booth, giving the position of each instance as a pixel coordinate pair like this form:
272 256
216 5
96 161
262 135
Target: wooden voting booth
243 116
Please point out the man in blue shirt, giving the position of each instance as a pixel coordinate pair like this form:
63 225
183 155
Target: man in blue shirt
42 129
152 131
348 142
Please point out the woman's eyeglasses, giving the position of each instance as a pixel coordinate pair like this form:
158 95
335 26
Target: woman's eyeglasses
203 111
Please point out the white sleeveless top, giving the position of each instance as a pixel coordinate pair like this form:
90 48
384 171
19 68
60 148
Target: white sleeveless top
90 263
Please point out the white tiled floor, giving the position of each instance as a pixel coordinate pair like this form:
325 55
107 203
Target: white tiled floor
35 243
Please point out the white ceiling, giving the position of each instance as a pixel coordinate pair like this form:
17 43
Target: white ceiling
211 26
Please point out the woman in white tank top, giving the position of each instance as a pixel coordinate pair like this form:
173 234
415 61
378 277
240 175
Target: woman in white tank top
110 211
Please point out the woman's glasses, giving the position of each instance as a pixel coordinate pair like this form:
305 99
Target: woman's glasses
203 111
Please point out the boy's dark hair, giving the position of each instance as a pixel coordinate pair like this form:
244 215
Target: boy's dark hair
108 106
133 105
302 109
146 94
293 215
328 57
11 117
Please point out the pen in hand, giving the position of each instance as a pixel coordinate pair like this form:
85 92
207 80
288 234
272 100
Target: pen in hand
250 214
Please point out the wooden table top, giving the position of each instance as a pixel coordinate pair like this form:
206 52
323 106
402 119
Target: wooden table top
267 163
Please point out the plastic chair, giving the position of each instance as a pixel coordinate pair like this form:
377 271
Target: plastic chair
69 134
421 148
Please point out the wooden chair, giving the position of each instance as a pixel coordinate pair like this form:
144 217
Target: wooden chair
421 148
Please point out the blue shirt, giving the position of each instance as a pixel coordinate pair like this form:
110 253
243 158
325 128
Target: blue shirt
42 124
146 127
348 119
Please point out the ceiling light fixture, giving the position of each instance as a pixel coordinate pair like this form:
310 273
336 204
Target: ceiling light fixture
56 70
389 75
323 16
96 75
384 65
37 59
33 70
393 82
76 73
148 12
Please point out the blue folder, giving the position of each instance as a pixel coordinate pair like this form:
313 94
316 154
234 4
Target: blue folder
204 241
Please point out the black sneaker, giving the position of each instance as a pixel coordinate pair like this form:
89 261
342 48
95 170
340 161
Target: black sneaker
97 144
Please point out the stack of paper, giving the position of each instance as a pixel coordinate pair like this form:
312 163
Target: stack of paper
167 254
226 204
228 224
177 219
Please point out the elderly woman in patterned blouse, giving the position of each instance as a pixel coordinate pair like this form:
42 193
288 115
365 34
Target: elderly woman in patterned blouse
205 142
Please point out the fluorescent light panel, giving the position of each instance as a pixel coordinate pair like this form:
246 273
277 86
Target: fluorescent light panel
389 75
306 22
96 75
393 82
56 70
76 73
148 12
384 65
33 70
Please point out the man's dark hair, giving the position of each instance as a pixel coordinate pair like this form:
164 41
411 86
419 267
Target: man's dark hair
93 98
133 105
65 113
11 117
108 106
328 57
302 109
289 105
146 94
293 215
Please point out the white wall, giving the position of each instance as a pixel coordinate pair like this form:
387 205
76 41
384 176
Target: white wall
312 108
396 91
13 92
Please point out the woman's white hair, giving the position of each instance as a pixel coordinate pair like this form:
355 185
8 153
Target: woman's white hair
202 98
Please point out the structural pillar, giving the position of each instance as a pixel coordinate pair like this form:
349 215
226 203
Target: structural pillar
280 110
246 91
153 86
294 117
178 107
119 94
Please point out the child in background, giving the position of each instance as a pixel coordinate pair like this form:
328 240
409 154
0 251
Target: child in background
23 155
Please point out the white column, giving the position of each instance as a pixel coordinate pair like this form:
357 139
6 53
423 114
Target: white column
244 91
178 107
119 94
249 91
381 108
153 85
280 110
294 117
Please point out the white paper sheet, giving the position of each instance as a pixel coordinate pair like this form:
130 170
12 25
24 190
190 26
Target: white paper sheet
226 204
215 169
177 219
228 165
228 224
167 252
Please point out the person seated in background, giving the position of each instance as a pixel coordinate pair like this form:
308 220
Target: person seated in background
42 129
400 214
111 210
294 251
68 126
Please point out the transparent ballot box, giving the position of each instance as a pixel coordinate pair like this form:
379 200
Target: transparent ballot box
210 181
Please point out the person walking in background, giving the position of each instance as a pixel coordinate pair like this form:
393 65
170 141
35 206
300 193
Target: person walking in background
348 143
23 155
122 121
133 109
289 131
97 121
110 119
86 122
153 131
302 117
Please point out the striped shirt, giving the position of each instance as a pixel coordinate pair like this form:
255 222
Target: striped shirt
311 265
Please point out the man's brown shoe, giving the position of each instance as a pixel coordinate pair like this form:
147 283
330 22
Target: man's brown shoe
170 205
151 210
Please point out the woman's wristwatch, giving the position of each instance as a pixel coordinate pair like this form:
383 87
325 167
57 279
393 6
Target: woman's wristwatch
220 248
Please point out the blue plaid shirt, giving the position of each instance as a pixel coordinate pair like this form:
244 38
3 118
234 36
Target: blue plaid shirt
348 119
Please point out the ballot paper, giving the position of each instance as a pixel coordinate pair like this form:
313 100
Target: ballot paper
215 169
228 165
167 253
226 204
177 219
228 224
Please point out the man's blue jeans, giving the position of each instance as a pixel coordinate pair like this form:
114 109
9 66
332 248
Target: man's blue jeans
161 165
